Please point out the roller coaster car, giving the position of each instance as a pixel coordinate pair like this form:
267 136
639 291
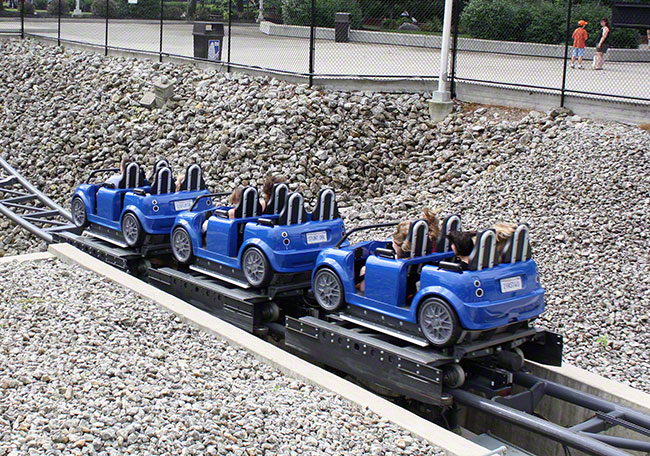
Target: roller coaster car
135 210
430 295
278 247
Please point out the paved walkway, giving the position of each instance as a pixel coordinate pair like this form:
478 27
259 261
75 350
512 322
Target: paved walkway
253 48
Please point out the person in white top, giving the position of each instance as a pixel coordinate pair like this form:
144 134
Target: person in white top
115 179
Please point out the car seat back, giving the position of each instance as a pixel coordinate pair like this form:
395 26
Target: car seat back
133 176
163 181
294 211
193 181
482 256
160 163
419 239
278 199
517 247
449 224
249 204
326 207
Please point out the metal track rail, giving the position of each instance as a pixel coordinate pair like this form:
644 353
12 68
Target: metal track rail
26 206
519 409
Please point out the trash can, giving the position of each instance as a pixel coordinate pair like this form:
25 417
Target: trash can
342 27
208 40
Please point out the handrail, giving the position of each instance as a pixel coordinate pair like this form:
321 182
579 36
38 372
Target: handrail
209 195
98 171
362 228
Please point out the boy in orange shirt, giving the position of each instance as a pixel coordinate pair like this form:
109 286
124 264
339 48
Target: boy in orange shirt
580 36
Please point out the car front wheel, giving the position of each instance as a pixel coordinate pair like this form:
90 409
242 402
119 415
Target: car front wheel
79 214
132 230
328 290
182 245
438 322
256 267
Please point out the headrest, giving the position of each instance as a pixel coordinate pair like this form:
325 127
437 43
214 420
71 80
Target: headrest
278 199
161 163
418 235
326 207
133 176
249 204
517 247
449 224
482 256
294 211
163 182
193 181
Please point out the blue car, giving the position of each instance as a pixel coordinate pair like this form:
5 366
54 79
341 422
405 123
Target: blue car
256 249
135 211
430 299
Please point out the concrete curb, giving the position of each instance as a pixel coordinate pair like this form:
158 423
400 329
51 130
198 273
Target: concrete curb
289 364
37 256
464 44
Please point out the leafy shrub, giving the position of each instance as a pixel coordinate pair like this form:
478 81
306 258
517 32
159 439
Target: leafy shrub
29 8
433 25
40 4
202 13
298 12
492 19
53 7
173 13
98 8
547 24
144 9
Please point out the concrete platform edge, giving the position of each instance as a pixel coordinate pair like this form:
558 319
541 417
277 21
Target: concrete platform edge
289 364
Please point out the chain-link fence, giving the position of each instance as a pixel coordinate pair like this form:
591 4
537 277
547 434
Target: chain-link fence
541 45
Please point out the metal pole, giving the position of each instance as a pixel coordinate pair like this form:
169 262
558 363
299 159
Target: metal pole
454 50
162 9
58 33
229 31
566 52
260 15
311 43
444 51
22 19
106 35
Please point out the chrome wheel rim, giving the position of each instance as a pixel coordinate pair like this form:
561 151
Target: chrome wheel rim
130 228
437 323
181 245
328 292
254 267
78 212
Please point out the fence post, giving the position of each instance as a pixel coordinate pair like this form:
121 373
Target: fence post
106 33
229 32
58 33
162 13
454 48
312 33
566 52
22 19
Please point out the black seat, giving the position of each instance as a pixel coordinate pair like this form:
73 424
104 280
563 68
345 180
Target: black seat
449 224
326 207
294 211
278 199
133 176
249 204
163 181
193 181
517 247
160 163
484 252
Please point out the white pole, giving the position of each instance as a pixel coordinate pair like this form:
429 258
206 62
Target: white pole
260 16
444 51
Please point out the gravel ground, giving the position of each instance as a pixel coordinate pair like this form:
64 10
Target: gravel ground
89 368
581 185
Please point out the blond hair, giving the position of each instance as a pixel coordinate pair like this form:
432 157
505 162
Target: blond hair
503 231
401 233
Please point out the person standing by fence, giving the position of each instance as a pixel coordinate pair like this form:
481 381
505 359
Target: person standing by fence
602 45
580 37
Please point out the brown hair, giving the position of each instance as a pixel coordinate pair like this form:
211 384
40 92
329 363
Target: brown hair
270 181
235 196
400 235
431 216
125 161
503 231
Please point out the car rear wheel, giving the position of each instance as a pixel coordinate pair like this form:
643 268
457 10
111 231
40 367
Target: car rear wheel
438 322
256 267
182 245
132 230
79 215
328 289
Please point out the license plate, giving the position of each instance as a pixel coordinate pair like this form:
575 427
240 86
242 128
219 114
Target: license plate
511 284
183 205
316 237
